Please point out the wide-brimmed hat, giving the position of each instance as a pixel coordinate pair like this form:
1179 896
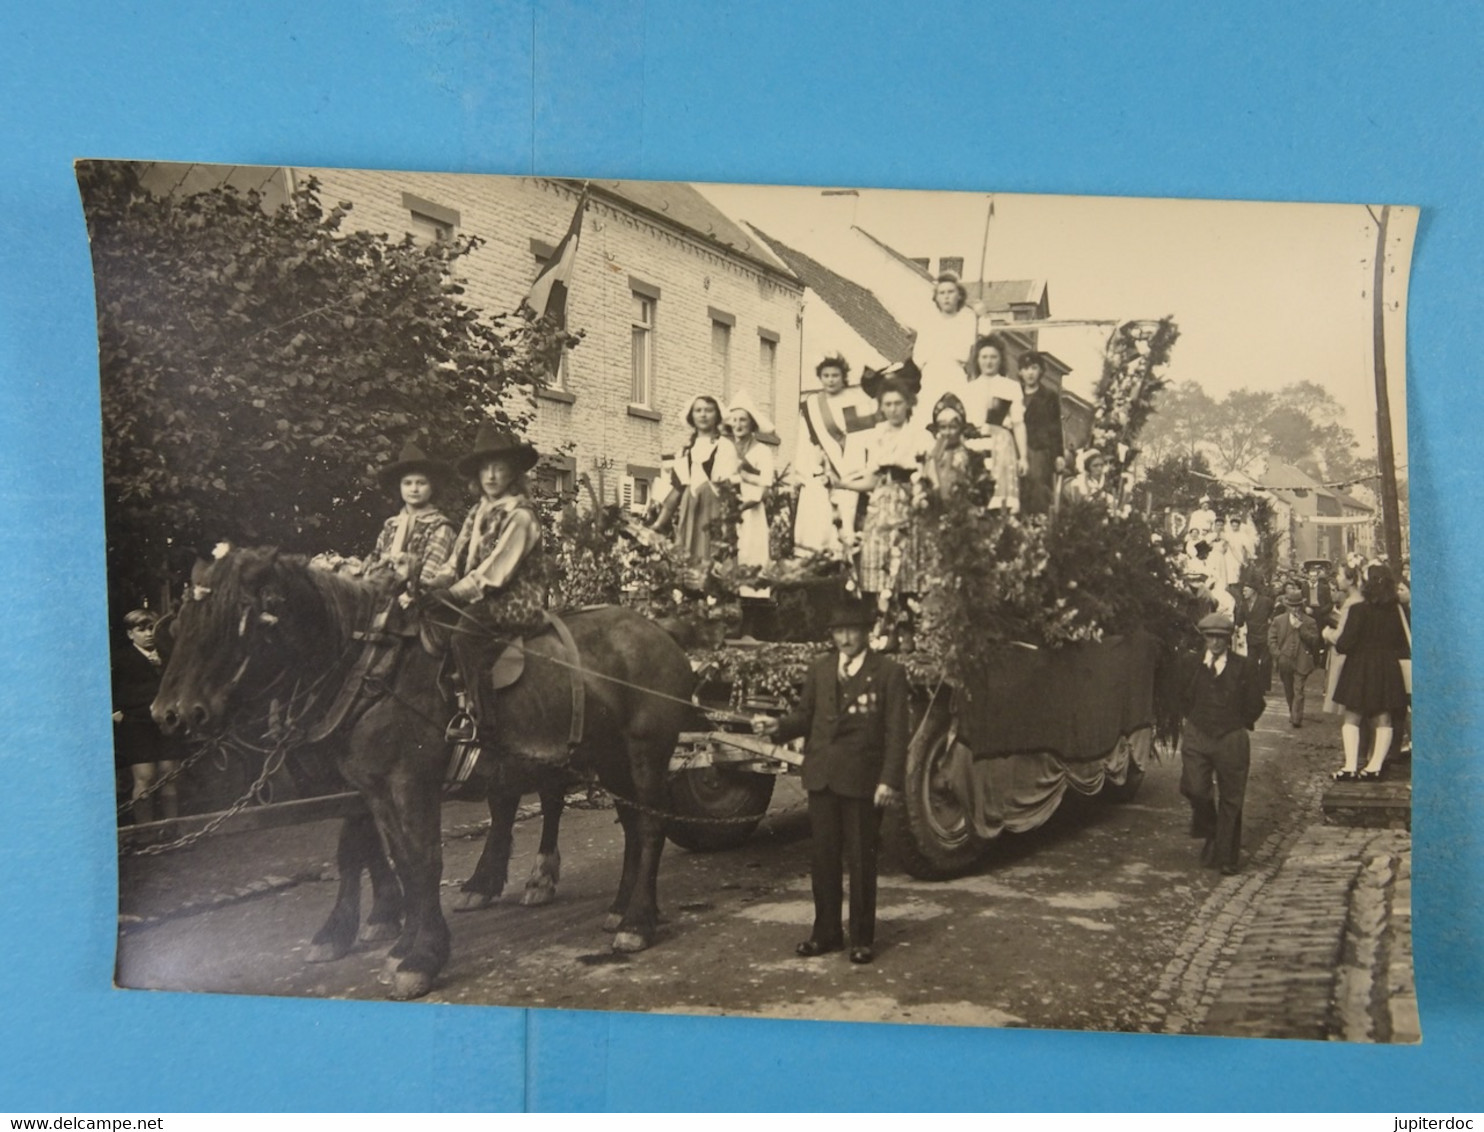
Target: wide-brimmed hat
411 461
1293 602
852 613
494 441
1216 623
904 373
760 420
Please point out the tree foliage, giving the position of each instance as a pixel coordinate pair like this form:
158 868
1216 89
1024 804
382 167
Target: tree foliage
1299 424
258 366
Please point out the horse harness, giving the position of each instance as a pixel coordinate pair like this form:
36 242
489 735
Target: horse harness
374 668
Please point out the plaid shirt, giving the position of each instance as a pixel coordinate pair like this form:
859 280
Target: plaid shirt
431 539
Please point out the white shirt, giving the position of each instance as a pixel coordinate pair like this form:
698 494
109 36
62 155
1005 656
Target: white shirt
849 667
1216 664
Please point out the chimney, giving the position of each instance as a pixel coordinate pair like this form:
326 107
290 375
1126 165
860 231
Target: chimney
953 263
924 263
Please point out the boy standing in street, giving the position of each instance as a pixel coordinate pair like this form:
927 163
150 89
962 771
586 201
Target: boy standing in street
854 712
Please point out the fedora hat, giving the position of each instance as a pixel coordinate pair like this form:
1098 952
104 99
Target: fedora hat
494 441
852 613
412 460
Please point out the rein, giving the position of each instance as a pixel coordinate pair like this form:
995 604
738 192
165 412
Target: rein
735 717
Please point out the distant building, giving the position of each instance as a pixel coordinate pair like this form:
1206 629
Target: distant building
1313 521
866 311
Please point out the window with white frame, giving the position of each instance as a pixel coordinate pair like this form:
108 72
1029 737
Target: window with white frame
642 331
721 352
767 369
638 487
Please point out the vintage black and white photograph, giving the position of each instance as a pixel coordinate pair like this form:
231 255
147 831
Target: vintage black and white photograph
968 609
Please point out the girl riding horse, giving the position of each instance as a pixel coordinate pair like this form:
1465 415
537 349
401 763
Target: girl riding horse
493 573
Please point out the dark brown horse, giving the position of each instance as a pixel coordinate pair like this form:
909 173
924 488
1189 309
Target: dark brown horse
260 628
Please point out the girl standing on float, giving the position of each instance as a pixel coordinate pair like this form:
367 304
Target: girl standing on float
945 336
755 475
705 459
996 410
836 419
889 565
415 542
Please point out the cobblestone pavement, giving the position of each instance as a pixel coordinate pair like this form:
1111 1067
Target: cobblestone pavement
1313 939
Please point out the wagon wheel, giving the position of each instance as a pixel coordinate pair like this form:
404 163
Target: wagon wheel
935 836
712 792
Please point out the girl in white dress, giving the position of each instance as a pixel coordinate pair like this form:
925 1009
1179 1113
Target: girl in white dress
996 411
945 336
756 472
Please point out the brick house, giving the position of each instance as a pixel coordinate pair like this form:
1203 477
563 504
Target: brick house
673 300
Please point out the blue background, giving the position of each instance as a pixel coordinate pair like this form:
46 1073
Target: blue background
1360 101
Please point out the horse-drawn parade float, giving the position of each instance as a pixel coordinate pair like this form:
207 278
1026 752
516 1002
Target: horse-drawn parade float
1037 652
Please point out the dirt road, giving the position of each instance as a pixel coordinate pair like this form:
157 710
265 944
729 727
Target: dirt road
1083 924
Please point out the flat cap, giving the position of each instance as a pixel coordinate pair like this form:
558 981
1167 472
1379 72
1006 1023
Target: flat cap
1216 623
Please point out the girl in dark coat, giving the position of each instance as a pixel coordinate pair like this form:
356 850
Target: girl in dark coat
1373 643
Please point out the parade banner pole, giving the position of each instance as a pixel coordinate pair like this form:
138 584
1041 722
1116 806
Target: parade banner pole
983 259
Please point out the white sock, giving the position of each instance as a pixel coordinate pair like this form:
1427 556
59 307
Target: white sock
1350 737
1379 749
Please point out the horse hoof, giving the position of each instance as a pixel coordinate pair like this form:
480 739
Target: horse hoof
326 953
539 894
629 941
379 933
473 901
611 921
409 984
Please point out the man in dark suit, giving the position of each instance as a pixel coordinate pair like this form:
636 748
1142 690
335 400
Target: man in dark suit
1292 640
1221 702
1257 612
854 711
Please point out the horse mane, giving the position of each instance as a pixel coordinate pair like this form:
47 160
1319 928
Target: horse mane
347 602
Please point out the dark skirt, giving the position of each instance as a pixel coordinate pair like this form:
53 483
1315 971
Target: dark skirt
1371 683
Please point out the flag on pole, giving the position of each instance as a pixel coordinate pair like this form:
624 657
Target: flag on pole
547 297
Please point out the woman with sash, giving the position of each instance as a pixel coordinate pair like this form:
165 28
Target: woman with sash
836 418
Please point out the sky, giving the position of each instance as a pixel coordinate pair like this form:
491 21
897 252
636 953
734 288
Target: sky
1264 294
